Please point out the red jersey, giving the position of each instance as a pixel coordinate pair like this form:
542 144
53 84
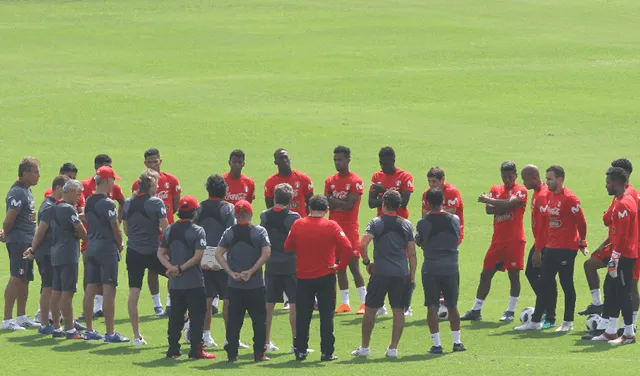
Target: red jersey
80 204
539 220
318 242
567 224
339 187
302 187
607 216
509 226
239 189
452 204
89 185
624 226
168 188
400 180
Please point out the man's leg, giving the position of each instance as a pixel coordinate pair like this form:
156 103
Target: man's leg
565 273
626 305
176 321
368 323
343 284
235 321
10 295
132 305
196 301
591 266
154 287
305 301
257 307
398 327
514 280
21 298
269 320
354 267
56 298
532 273
66 305
483 291
326 288
45 305
550 264
109 293
87 303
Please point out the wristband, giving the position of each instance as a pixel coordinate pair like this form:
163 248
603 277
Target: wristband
179 269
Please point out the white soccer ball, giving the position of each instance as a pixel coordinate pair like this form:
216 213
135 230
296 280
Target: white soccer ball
443 313
526 315
593 321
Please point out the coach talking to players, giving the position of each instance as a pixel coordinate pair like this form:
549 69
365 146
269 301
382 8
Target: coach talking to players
317 241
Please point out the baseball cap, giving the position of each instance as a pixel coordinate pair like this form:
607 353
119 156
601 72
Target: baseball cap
188 203
243 206
106 172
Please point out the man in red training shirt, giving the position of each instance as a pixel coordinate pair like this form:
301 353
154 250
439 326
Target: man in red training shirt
299 181
390 177
240 186
317 243
452 199
565 235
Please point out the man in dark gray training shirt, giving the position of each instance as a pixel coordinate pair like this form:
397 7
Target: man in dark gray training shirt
215 215
393 246
247 248
43 255
280 270
144 216
18 229
65 254
438 233
104 246
183 244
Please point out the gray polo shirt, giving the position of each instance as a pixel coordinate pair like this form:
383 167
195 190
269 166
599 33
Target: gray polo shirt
437 234
64 219
215 216
278 224
391 234
182 239
99 212
244 246
143 215
20 198
47 241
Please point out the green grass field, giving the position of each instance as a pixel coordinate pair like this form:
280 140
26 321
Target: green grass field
458 83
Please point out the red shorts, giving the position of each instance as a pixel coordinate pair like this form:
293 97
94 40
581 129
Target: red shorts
505 256
604 255
353 234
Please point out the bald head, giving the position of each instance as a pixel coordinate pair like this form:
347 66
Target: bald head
531 177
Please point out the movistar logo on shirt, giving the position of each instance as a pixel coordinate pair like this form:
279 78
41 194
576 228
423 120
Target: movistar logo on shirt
15 203
113 213
575 209
623 214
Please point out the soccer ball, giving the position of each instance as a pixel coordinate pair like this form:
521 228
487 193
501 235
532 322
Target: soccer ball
443 313
526 315
593 321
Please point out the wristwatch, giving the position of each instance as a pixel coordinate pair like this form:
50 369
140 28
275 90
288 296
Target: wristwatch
365 263
179 269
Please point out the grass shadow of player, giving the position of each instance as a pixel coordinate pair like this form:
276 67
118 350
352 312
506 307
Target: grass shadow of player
358 320
530 334
30 338
121 350
400 359
78 345
222 363
586 346
161 362
423 322
142 319
480 325
292 364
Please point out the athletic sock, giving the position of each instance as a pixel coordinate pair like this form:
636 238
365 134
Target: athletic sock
285 297
513 301
215 302
478 304
603 324
344 295
97 303
628 331
435 337
456 336
612 328
635 317
168 300
362 292
156 301
596 297
71 331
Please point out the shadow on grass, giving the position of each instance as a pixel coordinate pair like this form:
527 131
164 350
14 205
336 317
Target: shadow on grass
423 322
479 325
585 346
127 349
530 334
142 320
358 320
77 345
401 359
28 338
161 362
222 363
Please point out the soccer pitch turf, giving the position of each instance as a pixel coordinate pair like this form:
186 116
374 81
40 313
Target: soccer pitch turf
462 84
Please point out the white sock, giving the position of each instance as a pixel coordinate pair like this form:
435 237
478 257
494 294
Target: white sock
97 303
603 324
513 301
215 302
436 339
205 332
613 325
628 331
168 300
478 304
70 331
284 296
20 318
596 297
362 292
156 301
635 317
344 295
456 336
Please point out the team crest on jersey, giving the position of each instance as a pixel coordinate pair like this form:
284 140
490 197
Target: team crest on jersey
347 187
167 185
398 182
333 186
559 203
297 184
246 189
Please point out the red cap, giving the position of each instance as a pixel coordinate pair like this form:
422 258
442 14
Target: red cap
243 206
188 203
106 172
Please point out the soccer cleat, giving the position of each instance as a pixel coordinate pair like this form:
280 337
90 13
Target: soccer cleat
343 309
11 325
391 353
566 326
36 318
208 341
232 359
529 325
270 347
328 357
187 333
115 338
621 331
548 324
73 335
25 322
97 314
300 356
173 355
201 354
382 311
623 340
46 330
293 350
605 337
507 316
158 311
242 345
286 306
459 347
93 336
58 333
315 306
472 315
361 310
361 351
408 312
139 342
592 334
435 350
260 358
79 327
591 310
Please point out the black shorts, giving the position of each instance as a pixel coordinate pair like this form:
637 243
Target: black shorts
436 285
137 263
398 289
215 283
65 277
276 284
46 271
19 266
102 272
